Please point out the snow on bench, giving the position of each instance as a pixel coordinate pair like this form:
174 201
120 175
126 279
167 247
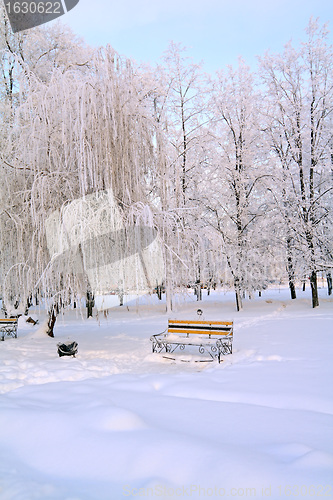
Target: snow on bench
8 327
210 337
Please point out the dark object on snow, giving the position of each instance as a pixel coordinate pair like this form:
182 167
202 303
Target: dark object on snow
67 349
30 320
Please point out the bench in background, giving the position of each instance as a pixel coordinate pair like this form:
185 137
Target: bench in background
8 328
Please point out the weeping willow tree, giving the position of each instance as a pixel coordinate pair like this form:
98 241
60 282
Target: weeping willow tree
74 136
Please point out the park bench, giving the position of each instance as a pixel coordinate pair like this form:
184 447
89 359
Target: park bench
8 328
213 338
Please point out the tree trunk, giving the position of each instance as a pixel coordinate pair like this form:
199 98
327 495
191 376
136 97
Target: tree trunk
314 289
4 308
290 270
90 304
238 300
329 282
51 321
28 305
292 289
313 275
198 291
238 294
168 296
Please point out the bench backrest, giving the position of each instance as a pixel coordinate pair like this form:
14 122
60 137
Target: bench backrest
8 321
201 327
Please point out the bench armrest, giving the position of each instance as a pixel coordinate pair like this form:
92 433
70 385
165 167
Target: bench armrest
153 337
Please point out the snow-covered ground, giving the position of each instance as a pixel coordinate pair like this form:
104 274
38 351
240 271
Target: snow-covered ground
120 422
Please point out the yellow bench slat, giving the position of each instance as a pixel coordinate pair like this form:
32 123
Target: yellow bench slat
198 332
184 322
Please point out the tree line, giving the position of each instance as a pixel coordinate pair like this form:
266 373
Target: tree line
233 171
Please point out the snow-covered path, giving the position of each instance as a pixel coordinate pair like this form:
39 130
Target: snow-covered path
119 422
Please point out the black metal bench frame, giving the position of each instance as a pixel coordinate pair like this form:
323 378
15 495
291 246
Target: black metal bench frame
8 328
211 337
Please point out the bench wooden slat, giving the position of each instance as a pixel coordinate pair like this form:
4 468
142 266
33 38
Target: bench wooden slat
200 327
199 332
202 322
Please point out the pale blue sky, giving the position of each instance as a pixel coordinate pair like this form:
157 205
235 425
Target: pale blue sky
215 31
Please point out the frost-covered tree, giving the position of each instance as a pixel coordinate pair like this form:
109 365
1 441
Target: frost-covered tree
186 116
299 83
183 105
235 199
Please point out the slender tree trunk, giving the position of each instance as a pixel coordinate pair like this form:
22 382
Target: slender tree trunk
51 321
292 289
313 275
198 285
238 300
4 308
28 304
90 304
238 282
305 214
238 294
290 269
168 296
314 289
237 289
329 282
198 291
